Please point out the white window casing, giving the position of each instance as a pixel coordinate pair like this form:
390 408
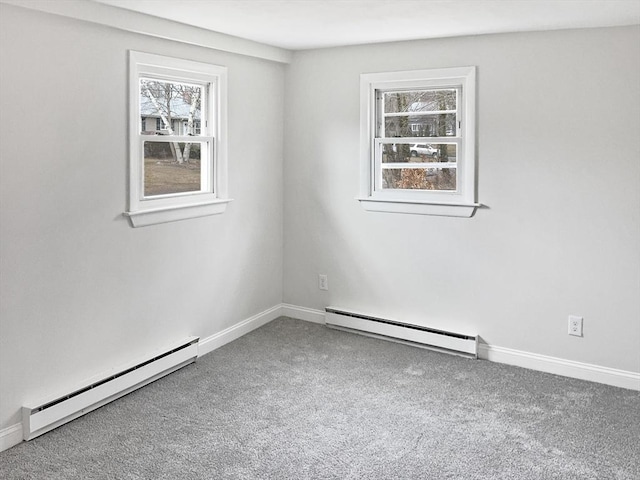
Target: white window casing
375 194
211 137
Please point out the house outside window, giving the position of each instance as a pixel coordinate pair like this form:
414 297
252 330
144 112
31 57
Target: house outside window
418 142
178 170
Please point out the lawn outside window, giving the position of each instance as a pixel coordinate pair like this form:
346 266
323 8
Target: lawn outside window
177 132
418 142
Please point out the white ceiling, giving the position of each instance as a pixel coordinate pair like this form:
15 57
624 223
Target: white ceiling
304 24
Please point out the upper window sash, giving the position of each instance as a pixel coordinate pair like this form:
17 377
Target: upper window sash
414 110
154 88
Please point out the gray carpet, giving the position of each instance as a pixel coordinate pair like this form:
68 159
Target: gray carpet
295 400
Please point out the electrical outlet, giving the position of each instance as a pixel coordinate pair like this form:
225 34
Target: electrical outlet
323 282
575 325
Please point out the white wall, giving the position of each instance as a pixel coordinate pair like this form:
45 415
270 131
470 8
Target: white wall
559 171
81 291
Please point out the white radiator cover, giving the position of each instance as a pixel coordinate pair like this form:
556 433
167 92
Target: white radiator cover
449 342
47 414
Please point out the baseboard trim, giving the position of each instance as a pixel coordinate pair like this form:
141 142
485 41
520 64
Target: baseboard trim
560 366
236 331
532 361
303 313
10 436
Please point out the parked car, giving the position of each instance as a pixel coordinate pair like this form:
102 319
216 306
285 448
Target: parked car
423 149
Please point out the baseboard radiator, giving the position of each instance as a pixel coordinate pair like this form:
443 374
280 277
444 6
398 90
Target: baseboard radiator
449 342
43 416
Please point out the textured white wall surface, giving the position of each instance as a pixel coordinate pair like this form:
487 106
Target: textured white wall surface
82 291
558 173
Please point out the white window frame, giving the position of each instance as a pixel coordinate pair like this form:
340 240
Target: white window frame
459 203
213 197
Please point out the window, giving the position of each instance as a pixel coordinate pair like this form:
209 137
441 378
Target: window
193 129
177 170
418 142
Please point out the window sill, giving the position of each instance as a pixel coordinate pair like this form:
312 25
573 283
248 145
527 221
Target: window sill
143 218
420 208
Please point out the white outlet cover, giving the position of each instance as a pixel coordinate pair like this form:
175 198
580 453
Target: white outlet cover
575 325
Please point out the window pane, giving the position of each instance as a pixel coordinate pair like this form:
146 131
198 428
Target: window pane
443 179
439 125
170 108
419 152
172 167
420 101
